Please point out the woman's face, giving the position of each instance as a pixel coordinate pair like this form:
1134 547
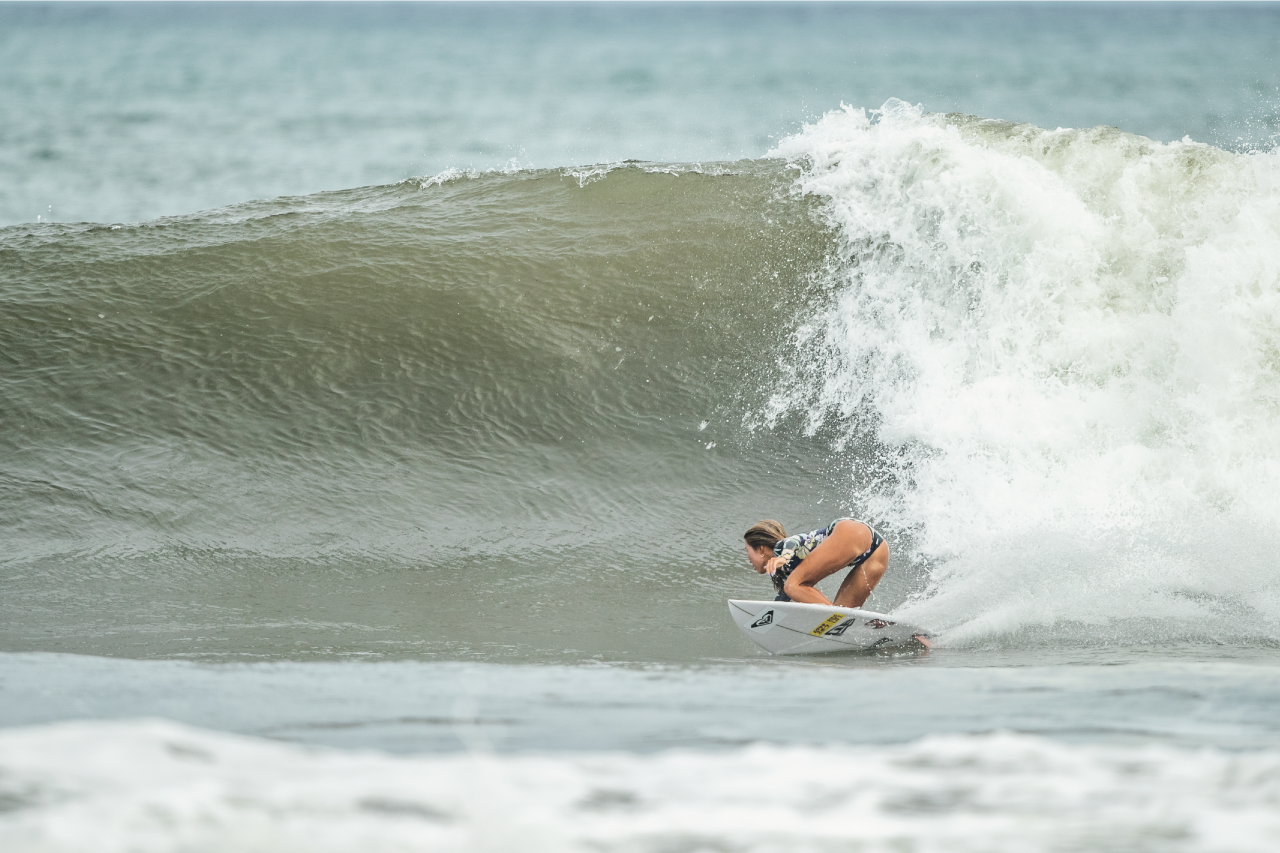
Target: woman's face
758 557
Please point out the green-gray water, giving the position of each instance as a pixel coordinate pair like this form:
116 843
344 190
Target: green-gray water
401 377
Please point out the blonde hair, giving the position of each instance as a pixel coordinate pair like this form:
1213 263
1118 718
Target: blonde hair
765 534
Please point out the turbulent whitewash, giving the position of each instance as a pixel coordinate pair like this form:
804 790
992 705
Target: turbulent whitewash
127 786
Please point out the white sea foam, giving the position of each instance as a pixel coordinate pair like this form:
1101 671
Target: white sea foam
450 175
447 176
158 786
1073 338
590 174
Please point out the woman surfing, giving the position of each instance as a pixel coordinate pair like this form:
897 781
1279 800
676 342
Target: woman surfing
797 563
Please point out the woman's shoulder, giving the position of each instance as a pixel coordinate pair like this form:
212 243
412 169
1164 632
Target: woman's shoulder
790 543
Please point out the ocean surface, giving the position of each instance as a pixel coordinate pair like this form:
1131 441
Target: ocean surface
385 388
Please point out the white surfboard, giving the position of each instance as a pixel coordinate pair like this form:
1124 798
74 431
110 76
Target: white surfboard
791 628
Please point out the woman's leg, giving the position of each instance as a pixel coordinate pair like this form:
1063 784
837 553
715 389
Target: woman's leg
848 540
856 588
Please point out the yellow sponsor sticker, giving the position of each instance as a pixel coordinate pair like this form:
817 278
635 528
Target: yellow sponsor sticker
827 624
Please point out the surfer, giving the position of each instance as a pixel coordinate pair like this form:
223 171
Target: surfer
795 564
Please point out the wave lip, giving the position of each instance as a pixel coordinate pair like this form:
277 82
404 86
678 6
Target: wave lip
1070 338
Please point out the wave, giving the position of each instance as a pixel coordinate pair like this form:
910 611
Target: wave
381 421
159 785
465 346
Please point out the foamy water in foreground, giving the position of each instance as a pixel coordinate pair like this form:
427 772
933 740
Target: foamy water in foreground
1173 751
155 785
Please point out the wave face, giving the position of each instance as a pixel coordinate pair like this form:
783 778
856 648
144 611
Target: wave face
398 419
1071 339
528 415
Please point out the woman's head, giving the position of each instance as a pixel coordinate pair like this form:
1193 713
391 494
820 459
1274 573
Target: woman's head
765 534
760 539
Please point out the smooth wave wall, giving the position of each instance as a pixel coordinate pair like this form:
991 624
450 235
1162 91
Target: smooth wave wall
494 413
1071 340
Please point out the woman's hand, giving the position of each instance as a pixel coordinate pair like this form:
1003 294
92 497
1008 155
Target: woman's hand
774 564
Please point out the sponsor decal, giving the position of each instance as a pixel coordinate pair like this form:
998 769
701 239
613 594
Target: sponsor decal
765 620
827 624
879 623
842 627
880 642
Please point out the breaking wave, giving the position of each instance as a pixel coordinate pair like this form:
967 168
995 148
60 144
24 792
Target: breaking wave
381 421
1067 343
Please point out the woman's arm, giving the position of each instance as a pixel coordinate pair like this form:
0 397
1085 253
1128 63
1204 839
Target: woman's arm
786 549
